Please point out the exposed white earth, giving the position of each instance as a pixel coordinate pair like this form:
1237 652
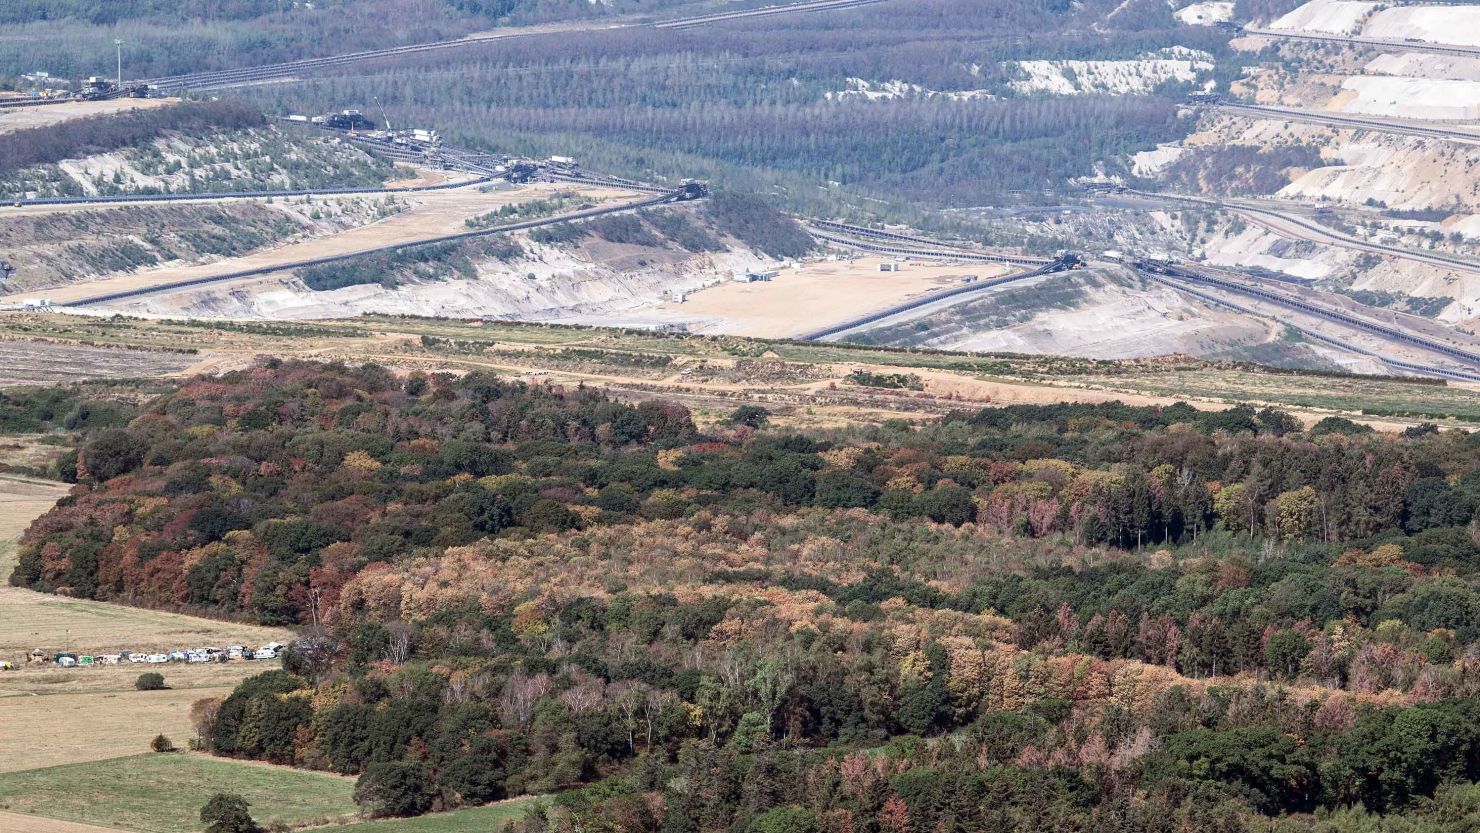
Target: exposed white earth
1206 14
1340 17
1139 75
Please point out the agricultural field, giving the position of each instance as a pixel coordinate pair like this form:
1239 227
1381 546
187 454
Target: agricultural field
121 720
163 792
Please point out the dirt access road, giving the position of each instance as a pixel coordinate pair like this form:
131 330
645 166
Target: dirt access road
430 214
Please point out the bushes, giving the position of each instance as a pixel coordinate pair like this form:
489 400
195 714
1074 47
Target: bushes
227 813
559 233
150 681
393 788
111 453
678 227
389 269
623 228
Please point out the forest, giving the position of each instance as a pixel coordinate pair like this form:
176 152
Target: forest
1025 618
756 105
170 37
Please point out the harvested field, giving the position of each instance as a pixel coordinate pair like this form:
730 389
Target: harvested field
163 793
17 823
33 451
119 721
36 362
29 619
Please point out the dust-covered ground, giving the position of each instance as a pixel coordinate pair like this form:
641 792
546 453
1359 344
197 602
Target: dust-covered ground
804 297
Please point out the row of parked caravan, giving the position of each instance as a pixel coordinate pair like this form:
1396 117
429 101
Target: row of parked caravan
69 659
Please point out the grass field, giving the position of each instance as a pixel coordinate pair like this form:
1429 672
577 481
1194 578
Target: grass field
163 793
1346 395
488 819
115 720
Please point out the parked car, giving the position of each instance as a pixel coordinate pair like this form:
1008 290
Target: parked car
157 659
138 657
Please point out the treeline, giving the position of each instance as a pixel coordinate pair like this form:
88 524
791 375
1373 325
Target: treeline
43 410
1094 475
102 134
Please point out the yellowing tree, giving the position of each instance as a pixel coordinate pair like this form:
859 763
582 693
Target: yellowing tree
1292 515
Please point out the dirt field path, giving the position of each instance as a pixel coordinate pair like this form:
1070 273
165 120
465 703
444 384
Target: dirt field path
20 823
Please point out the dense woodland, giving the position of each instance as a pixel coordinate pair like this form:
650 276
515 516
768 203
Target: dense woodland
1073 617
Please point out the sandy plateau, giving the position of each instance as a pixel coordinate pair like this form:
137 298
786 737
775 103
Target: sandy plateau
809 296
23 118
